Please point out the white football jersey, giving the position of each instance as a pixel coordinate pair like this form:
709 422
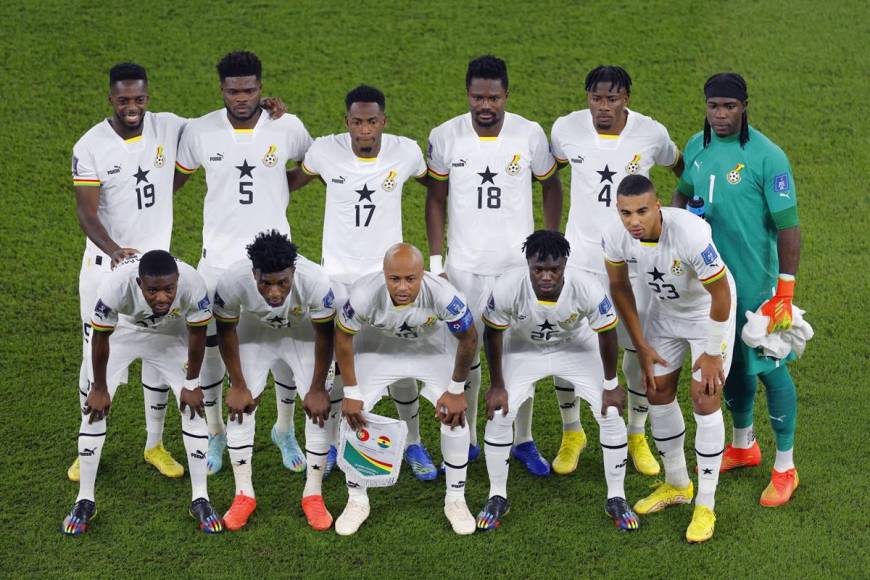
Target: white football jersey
363 214
369 304
134 177
310 300
675 268
535 324
598 165
246 178
120 300
489 202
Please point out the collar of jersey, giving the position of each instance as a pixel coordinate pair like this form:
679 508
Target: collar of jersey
728 139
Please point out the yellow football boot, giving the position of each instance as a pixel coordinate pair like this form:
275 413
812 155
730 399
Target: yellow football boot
641 456
160 458
573 444
665 495
702 526
74 471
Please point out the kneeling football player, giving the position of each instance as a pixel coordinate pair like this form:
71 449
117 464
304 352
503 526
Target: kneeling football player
692 308
409 312
559 323
141 311
275 308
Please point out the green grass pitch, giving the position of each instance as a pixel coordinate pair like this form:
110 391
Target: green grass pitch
806 72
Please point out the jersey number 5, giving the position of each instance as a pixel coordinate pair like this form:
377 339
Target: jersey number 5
247 192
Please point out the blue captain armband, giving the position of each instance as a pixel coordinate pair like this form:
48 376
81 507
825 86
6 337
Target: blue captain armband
463 324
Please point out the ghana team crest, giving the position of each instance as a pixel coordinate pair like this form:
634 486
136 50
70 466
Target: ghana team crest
634 165
390 182
734 176
513 168
677 268
160 158
270 158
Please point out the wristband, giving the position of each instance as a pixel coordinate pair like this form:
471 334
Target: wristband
352 392
436 266
456 388
191 384
610 384
785 285
716 337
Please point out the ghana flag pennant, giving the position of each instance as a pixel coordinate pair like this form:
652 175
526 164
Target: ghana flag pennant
373 454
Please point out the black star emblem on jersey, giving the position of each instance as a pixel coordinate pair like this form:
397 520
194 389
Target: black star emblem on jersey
487 176
405 328
141 176
365 194
606 175
546 326
708 471
245 169
657 276
275 321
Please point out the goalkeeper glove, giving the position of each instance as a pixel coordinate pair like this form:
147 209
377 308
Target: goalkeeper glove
778 308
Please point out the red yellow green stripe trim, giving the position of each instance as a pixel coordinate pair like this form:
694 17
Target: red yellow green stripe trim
101 328
343 328
610 326
306 170
714 277
86 182
551 171
201 322
183 169
493 325
614 263
226 319
438 176
561 161
323 320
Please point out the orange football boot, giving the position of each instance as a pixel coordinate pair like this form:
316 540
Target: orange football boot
735 457
238 514
781 487
316 513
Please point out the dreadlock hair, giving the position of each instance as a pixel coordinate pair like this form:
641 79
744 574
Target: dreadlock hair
546 243
737 89
635 185
606 73
240 64
157 263
487 67
272 252
127 71
366 94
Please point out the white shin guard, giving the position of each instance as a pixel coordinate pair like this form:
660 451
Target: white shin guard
92 437
211 379
614 451
240 445
638 405
709 446
406 396
454 450
316 448
195 434
669 433
497 441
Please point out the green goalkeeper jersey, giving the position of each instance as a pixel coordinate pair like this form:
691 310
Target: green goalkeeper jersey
749 194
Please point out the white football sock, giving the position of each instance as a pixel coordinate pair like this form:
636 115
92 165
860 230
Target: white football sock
614 451
195 434
316 448
569 407
285 398
405 394
669 433
84 386
92 437
240 444
355 490
336 396
523 422
709 446
743 438
638 405
784 460
454 450
497 447
211 379
472 397
155 396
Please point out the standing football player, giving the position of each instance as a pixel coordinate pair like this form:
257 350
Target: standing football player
156 309
482 165
748 191
275 307
122 171
403 309
244 151
691 310
561 324
604 144
364 171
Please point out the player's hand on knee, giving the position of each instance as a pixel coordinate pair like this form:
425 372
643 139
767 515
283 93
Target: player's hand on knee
317 406
496 400
240 402
450 409
97 405
351 410
613 398
648 359
122 254
712 373
194 400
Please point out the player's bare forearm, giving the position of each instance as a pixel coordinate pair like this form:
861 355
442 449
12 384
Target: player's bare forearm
196 336
551 191
297 179
465 352
324 340
179 180
608 346
228 343
344 356
436 209
100 358
87 202
788 247
720 303
623 299
679 166
493 342
679 200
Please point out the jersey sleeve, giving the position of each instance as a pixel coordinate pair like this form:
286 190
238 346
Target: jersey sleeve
188 159
109 297
84 171
418 163
454 310
703 255
298 141
686 186
497 314
322 305
543 162
227 305
614 253
556 142
600 311
199 308
312 161
666 152
779 190
350 320
439 165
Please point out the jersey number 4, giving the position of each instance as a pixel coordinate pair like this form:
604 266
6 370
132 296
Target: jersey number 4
604 195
